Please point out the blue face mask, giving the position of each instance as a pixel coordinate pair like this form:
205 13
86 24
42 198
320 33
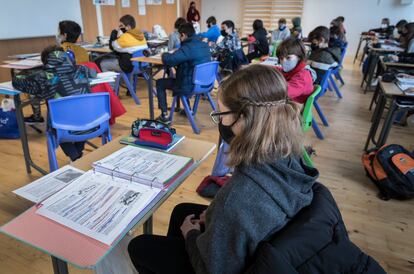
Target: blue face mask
282 27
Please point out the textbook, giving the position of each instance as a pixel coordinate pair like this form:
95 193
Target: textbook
103 201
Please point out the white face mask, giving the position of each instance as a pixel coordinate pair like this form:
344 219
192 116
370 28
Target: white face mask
384 26
290 63
59 39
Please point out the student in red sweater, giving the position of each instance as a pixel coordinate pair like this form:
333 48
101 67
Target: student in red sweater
300 77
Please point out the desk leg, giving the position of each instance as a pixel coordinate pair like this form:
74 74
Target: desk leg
22 130
359 46
148 226
371 70
386 128
150 93
59 266
376 120
23 137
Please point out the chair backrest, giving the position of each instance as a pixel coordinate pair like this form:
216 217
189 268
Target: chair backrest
79 117
307 111
204 76
324 82
138 53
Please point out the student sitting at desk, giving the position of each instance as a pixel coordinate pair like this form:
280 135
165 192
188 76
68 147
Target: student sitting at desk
282 33
68 34
124 41
322 56
408 42
399 27
259 41
67 37
191 53
386 30
174 38
213 31
292 56
296 30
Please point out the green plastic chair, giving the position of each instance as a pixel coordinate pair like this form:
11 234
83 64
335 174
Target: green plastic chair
307 120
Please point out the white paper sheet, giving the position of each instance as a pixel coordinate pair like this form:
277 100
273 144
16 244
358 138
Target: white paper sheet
98 205
143 165
27 63
49 184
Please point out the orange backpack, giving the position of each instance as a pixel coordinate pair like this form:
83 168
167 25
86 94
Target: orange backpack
391 168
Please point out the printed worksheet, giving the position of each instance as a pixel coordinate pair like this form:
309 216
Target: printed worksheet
98 205
49 184
133 163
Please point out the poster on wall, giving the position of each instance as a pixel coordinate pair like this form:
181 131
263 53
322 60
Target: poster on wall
126 3
154 2
170 1
104 2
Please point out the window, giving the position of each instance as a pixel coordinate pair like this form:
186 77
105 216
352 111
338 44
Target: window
269 12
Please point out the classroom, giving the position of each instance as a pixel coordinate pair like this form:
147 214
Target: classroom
207 136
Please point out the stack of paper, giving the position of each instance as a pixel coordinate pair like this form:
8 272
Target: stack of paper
406 83
104 77
271 61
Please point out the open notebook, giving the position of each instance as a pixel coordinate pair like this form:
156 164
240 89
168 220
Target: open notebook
102 202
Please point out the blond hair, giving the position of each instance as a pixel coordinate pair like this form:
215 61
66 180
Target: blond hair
270 121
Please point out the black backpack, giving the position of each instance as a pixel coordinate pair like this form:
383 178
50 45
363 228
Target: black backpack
391 168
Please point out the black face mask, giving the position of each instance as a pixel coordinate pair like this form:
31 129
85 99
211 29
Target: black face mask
314 46
208 25
223 32
123 30
225 132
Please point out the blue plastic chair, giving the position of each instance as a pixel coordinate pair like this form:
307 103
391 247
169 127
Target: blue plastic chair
336 72
131 78
204 77
75 119
324 86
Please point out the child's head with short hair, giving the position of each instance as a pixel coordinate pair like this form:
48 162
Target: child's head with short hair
319 36
282 23
69 31
45 53
211 21
127 22
257 24
341 19
290 52
179 22
385 22
227 26
186 31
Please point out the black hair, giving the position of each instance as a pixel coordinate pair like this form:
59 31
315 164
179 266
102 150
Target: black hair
71 29
211 20
179 22
45 53
386 19
289 46
318 33
282 21
187 29
228 23
128 20
410 33
401 23
257 24
340 19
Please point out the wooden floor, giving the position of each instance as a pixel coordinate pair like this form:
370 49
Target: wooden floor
385 230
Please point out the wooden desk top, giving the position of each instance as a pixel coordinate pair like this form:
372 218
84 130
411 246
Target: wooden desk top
391 49
155 60
395 64
391 89
196 149
99 50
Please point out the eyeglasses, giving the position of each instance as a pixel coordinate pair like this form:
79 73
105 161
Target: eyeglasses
216 115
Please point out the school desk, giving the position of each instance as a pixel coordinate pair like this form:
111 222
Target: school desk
374 54
65 245
386 92
153 62
363 37
398 65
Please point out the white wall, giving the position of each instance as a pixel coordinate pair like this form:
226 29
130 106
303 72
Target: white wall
222 10
360 15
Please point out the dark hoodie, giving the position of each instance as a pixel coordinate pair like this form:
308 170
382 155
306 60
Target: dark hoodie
257 202
296 30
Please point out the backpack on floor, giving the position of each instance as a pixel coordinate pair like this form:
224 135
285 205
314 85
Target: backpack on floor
391 168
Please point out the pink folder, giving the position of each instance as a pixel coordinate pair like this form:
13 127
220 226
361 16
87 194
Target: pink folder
53 238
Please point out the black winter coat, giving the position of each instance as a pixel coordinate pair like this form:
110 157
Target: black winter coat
314 241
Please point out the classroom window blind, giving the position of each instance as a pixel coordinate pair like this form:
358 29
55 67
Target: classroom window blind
269 12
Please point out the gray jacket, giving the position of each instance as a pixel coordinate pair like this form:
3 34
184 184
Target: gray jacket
255 203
